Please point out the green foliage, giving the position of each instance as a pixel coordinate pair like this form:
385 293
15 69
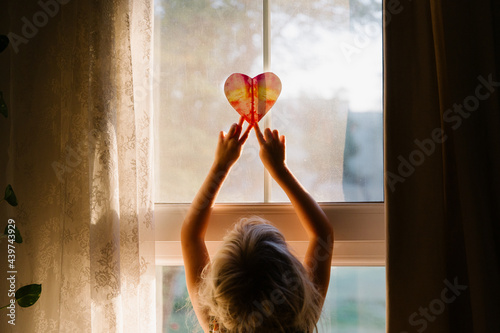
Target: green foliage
10 196
17 235
28 295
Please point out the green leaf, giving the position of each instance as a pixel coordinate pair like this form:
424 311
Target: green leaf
28 295
4 42
3 106
18 239
10 196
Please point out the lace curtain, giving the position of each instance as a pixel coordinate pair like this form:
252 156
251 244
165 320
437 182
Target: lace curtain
79 146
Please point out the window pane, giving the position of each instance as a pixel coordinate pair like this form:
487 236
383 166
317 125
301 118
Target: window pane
328 55
198 44
355 301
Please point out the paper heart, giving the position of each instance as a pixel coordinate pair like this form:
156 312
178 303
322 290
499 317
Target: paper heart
252 97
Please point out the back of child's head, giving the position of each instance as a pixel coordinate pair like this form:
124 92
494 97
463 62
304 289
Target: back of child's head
254 283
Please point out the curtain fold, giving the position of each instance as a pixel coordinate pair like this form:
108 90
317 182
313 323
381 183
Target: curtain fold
80 160
442 144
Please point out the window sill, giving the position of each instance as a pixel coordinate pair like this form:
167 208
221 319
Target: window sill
359 230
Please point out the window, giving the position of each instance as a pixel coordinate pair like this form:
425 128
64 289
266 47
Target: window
328 55
355 301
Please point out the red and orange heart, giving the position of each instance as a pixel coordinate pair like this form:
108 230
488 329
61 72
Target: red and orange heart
252 97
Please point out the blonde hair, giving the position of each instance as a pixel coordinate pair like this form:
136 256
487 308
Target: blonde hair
255 283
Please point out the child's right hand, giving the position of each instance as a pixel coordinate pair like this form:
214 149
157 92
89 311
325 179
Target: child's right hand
272 150
229 145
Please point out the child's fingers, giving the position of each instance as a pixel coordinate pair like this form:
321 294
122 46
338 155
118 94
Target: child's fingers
276 135
233 130
268 134
244 137
259 135
238 131
240 122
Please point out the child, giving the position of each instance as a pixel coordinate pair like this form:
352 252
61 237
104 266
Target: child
254 283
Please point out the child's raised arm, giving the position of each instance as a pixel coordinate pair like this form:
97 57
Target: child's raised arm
194 251
319 229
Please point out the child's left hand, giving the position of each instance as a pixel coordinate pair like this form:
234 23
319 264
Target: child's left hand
229 145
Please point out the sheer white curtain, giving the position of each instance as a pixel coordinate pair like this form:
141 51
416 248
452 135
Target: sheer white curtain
79 156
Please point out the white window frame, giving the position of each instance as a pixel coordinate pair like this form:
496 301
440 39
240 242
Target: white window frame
359 227
359 230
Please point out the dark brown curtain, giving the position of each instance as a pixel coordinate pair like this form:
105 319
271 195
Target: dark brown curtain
442 157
